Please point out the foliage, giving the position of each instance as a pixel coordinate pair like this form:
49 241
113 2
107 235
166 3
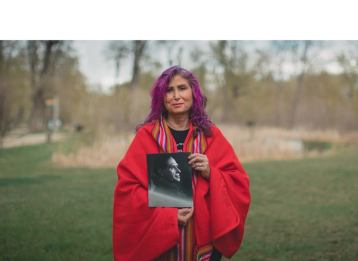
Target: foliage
32 72
14 89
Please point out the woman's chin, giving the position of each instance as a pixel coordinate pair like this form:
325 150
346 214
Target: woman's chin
179 112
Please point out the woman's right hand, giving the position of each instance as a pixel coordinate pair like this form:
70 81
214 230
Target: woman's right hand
184 214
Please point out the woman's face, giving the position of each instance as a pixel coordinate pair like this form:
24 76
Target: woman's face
179 97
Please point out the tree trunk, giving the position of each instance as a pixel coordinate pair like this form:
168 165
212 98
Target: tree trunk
3 93
278 91
296 100
139 47
299 87
39 82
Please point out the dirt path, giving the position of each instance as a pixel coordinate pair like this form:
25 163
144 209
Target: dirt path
20 139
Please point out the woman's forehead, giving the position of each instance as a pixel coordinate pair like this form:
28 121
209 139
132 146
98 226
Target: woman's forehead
178 80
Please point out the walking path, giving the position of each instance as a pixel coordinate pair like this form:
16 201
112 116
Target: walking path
16 139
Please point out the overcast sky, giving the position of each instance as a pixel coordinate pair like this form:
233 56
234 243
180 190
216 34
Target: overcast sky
95 66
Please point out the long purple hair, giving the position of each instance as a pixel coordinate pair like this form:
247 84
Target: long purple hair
197 115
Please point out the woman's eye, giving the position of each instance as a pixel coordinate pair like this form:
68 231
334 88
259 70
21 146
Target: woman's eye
169 89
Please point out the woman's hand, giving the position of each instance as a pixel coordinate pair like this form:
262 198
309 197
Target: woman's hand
200 163
184 214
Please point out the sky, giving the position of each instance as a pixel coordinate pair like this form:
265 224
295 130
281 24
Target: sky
93 63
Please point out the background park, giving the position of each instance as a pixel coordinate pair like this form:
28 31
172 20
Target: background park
289 109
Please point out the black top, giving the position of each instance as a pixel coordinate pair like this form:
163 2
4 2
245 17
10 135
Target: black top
179 136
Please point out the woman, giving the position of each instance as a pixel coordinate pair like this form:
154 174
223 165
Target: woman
215 225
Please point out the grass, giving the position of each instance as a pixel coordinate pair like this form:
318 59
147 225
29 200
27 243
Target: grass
301 209
53 214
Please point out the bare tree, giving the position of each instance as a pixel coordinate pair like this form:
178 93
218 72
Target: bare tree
138 52
296 53
299 87
219 51
11 73
232 59
4 121
199 59
173 51
42 59
134 50
117 51
349 63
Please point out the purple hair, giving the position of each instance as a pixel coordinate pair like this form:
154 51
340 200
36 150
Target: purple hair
197 115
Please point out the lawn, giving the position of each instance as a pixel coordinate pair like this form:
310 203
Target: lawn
301 210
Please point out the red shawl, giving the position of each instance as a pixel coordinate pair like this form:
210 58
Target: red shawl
220 204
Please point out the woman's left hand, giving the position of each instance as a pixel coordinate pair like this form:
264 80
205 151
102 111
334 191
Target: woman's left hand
200 162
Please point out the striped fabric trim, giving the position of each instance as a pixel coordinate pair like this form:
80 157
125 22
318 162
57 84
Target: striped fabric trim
185 250
198 145
161 133
204 253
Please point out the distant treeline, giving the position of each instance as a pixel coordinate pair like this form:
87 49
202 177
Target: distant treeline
281 83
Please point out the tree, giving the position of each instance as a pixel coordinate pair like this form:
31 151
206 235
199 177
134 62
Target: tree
42 60
297 55
349 63
233 61
133 50
173 51
13 87
219 50
138 52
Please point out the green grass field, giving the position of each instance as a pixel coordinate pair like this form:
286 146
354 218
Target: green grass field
301 210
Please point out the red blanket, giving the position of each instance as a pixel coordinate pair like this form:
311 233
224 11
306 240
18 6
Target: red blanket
220 205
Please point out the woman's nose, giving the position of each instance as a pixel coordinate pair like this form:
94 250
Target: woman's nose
176 95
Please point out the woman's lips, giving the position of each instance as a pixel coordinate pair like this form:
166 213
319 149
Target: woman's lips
177 105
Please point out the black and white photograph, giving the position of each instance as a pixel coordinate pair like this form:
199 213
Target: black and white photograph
169 179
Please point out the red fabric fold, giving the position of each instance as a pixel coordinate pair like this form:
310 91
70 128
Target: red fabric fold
140 232
220 205
229 196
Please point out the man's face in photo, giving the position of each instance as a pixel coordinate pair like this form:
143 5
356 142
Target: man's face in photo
173 169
